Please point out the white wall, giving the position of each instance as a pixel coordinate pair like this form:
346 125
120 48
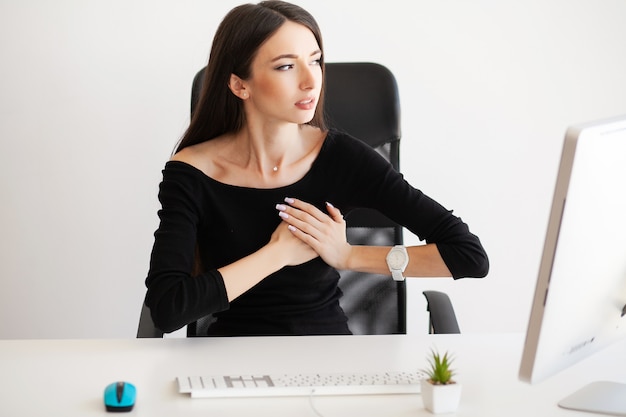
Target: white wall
94 95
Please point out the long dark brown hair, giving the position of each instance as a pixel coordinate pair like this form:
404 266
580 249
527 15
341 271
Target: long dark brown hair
237 40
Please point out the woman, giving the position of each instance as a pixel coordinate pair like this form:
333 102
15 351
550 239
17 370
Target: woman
252 227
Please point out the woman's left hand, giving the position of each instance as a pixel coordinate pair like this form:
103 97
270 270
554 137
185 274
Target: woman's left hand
325 233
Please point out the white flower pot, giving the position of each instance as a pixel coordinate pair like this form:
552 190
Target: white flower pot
440 398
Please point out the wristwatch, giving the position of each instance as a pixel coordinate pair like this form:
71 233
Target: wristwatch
397 260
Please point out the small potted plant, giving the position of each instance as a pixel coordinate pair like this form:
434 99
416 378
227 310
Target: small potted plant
440 393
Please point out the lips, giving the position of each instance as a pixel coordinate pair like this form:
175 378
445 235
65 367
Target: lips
306 104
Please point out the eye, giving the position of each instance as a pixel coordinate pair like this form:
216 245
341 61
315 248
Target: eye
284 67
317 59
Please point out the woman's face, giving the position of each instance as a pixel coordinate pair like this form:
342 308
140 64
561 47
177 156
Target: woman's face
286 77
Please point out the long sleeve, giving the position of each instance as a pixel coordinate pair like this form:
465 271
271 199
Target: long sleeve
175 297
370 181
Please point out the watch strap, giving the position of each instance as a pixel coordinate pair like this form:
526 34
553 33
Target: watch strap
397 275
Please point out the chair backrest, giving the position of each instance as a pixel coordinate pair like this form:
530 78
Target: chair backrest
362 100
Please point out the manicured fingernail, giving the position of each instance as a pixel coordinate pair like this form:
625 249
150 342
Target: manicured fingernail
289 200
292 228
283 214
281 207
329 205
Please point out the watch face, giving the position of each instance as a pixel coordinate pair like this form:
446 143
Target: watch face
395 259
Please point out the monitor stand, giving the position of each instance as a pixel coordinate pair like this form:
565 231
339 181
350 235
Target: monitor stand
601 397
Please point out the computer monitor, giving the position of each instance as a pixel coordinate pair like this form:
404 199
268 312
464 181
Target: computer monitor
579 305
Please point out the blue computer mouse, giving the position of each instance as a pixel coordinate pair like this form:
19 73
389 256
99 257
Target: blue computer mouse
120 396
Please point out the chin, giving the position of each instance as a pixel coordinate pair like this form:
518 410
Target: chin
305 119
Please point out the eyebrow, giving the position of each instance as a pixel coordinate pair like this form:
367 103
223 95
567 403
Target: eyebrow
293 56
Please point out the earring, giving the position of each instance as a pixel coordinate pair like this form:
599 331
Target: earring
244 94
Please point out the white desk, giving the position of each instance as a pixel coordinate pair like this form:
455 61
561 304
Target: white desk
67 377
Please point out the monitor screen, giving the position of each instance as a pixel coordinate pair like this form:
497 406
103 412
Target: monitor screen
579 305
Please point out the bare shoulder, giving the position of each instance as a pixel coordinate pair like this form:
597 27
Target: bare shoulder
202 156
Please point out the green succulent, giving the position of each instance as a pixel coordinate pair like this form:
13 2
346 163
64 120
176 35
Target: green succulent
439 372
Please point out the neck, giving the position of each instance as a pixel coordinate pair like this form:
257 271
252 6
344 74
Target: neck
268 150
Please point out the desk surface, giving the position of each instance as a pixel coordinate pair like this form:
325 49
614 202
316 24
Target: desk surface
67 377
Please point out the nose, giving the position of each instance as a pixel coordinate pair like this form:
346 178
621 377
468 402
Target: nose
309 76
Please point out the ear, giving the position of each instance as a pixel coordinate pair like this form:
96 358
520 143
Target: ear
238 87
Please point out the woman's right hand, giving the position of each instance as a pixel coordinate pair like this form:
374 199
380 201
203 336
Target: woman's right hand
283 249
293 250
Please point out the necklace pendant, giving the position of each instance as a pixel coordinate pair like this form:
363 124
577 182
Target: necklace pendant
275 169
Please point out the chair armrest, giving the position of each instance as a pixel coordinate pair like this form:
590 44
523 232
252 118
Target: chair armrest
146 327
442 316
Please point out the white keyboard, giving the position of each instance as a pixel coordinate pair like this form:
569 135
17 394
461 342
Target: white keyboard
220 386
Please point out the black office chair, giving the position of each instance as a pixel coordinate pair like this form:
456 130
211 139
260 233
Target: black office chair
362 100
